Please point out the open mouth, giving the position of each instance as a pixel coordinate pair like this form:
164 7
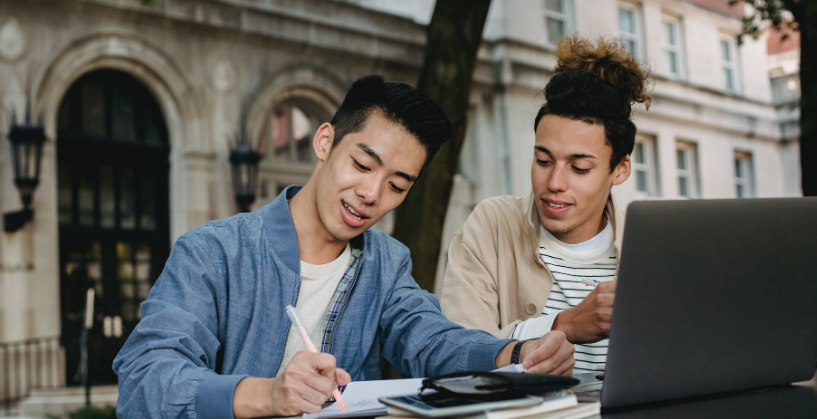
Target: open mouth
555 208
352 217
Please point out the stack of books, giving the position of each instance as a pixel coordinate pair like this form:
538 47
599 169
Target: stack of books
557 405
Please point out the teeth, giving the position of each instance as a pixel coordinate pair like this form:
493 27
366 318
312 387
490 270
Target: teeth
356 215
556 206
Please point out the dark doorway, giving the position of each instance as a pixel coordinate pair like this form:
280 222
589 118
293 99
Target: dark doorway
113 151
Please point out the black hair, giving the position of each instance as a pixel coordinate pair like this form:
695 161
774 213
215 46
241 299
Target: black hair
597 84
398 102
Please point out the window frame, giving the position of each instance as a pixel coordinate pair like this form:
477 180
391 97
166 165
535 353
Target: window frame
691 172
731 65
637 37
745 160
566 17
649 166
677 48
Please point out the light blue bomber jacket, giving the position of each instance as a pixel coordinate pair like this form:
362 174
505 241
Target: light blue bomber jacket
216 315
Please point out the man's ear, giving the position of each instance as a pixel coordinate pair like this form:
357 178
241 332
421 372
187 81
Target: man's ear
322 142
622 170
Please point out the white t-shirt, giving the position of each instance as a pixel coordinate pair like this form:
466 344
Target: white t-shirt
318 285
569 264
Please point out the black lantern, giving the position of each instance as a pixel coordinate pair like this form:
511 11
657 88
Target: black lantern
244 160
27 141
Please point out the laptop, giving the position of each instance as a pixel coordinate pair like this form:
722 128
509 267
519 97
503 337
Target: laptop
712 296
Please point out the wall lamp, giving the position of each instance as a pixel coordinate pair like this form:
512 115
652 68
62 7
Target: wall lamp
27 141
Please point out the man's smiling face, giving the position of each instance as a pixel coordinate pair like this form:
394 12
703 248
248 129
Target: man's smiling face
571 177
365 176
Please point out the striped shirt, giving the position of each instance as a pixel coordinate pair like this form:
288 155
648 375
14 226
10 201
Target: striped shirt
569 264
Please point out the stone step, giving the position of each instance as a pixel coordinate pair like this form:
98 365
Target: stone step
43 403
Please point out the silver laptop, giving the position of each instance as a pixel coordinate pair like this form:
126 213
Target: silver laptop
712 296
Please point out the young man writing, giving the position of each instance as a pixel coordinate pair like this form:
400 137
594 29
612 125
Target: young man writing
523 266
215 341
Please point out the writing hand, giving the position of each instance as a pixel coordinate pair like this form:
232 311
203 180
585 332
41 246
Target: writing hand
303 387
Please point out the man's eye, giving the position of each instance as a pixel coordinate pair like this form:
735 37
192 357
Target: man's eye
580 170
360 166
397 189
542 162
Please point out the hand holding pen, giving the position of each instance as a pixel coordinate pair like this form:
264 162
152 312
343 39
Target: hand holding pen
301 330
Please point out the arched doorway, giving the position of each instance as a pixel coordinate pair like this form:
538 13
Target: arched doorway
113 151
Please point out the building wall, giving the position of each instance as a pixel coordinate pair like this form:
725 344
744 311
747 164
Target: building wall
206 60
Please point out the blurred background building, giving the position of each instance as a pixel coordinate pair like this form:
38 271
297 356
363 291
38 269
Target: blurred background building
142 101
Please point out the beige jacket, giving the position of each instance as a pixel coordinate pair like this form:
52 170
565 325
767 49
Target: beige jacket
495 279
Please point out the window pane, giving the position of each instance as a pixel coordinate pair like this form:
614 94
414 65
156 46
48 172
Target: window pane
740 191
738 169
626 20
639 153
672 62
281 132
123 117
726 51
641 181
729 79
107 197
302 135
681 155
66 194
630 44
127 201
93 110
554 5
86 199
148 201
556 29
669 32
683 186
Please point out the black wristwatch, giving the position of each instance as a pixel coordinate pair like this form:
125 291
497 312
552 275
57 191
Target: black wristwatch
516 350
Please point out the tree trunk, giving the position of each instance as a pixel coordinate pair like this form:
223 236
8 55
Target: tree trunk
805 13
453 38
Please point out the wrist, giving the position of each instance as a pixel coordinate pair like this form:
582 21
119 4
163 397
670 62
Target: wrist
251 398
564 324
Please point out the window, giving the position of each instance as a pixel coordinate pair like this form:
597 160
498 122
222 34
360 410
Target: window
686 160
291 127
629 27
644 166
744 175
558 22
729 64
671 46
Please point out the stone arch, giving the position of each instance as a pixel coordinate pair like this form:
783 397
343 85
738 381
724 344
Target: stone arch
299 82
127 53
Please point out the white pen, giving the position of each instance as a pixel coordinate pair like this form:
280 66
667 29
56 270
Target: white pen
299 327
591 282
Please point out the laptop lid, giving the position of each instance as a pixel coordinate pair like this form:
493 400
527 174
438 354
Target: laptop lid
713 296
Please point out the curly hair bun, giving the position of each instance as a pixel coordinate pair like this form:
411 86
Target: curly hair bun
610 61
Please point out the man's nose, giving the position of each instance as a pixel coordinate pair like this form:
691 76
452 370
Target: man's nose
369 191
556 179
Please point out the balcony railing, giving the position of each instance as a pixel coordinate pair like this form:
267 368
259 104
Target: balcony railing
29 364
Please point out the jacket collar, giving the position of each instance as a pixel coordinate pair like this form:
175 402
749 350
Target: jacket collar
531 217
281 229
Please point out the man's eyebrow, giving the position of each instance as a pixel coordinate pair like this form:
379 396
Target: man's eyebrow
366 149
573 156
371 153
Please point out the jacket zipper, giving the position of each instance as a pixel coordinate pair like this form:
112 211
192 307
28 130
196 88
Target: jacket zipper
289 324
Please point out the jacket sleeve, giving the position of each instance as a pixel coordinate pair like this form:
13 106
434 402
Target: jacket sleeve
167 366
470 296
419 341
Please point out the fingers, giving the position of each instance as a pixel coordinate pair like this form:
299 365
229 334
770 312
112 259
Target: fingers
342 377
551 350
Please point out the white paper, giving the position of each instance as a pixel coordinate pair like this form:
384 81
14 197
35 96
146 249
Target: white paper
361 398
511 368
